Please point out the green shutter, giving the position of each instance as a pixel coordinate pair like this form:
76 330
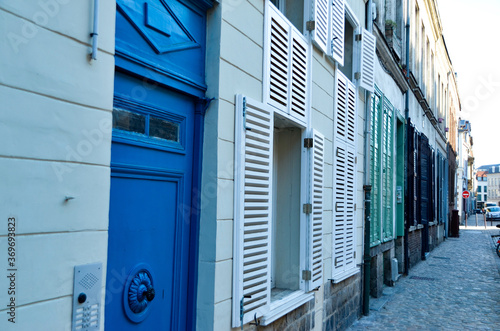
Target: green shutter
388 173
375 237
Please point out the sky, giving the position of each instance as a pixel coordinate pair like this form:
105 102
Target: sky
471 31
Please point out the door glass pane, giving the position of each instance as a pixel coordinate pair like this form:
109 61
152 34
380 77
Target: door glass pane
128 121
163 129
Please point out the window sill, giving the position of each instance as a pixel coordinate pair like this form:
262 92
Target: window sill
282 307
346 274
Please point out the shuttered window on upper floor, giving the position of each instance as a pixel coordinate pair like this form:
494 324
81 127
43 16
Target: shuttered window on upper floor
287 69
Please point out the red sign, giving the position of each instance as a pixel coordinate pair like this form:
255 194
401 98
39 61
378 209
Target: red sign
466 194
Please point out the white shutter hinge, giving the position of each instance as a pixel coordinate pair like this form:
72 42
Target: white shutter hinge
357 75
336 261
308 142
359 37
310 25
306 275
307 208
356 160
354 254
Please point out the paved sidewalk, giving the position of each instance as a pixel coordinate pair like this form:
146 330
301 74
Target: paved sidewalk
456 288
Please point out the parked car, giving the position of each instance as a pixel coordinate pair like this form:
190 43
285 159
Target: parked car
490 204
477 211
493 213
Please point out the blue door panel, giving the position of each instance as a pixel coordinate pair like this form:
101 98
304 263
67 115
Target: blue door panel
149 222
146 224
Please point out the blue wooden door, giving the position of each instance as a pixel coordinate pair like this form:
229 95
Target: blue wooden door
155 164
151 173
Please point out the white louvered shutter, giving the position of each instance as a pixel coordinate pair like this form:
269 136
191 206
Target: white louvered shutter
341 108
299 76
339 208
321 19
287 66
254 129
316 217
279 58
344 190
336 38
350 178
368 45
350 112
349 223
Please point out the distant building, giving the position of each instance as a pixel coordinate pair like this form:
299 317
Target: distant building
493 182
481 188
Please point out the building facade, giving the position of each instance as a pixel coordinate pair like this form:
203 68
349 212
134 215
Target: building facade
492 177
481 188
465 168
220 165
102 161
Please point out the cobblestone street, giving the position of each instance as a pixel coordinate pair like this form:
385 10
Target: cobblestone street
456 288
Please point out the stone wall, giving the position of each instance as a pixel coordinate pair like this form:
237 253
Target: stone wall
342 303
301 318
415 246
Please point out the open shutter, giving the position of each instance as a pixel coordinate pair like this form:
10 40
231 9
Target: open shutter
287 65
316 217
367 67
336 38
254 129
299 76
320 32
340 124
279 55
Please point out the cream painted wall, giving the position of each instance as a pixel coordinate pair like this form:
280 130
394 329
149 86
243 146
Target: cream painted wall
237 67
55 125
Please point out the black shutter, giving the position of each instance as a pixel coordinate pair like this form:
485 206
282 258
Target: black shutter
411 198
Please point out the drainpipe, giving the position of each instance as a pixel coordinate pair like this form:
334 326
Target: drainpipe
367 187
407 115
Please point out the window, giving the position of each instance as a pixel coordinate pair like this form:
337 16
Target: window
479 197
479 188
485 197
137 125
278 217
416 62
347 68
285 262
359 53
293 10
287 78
